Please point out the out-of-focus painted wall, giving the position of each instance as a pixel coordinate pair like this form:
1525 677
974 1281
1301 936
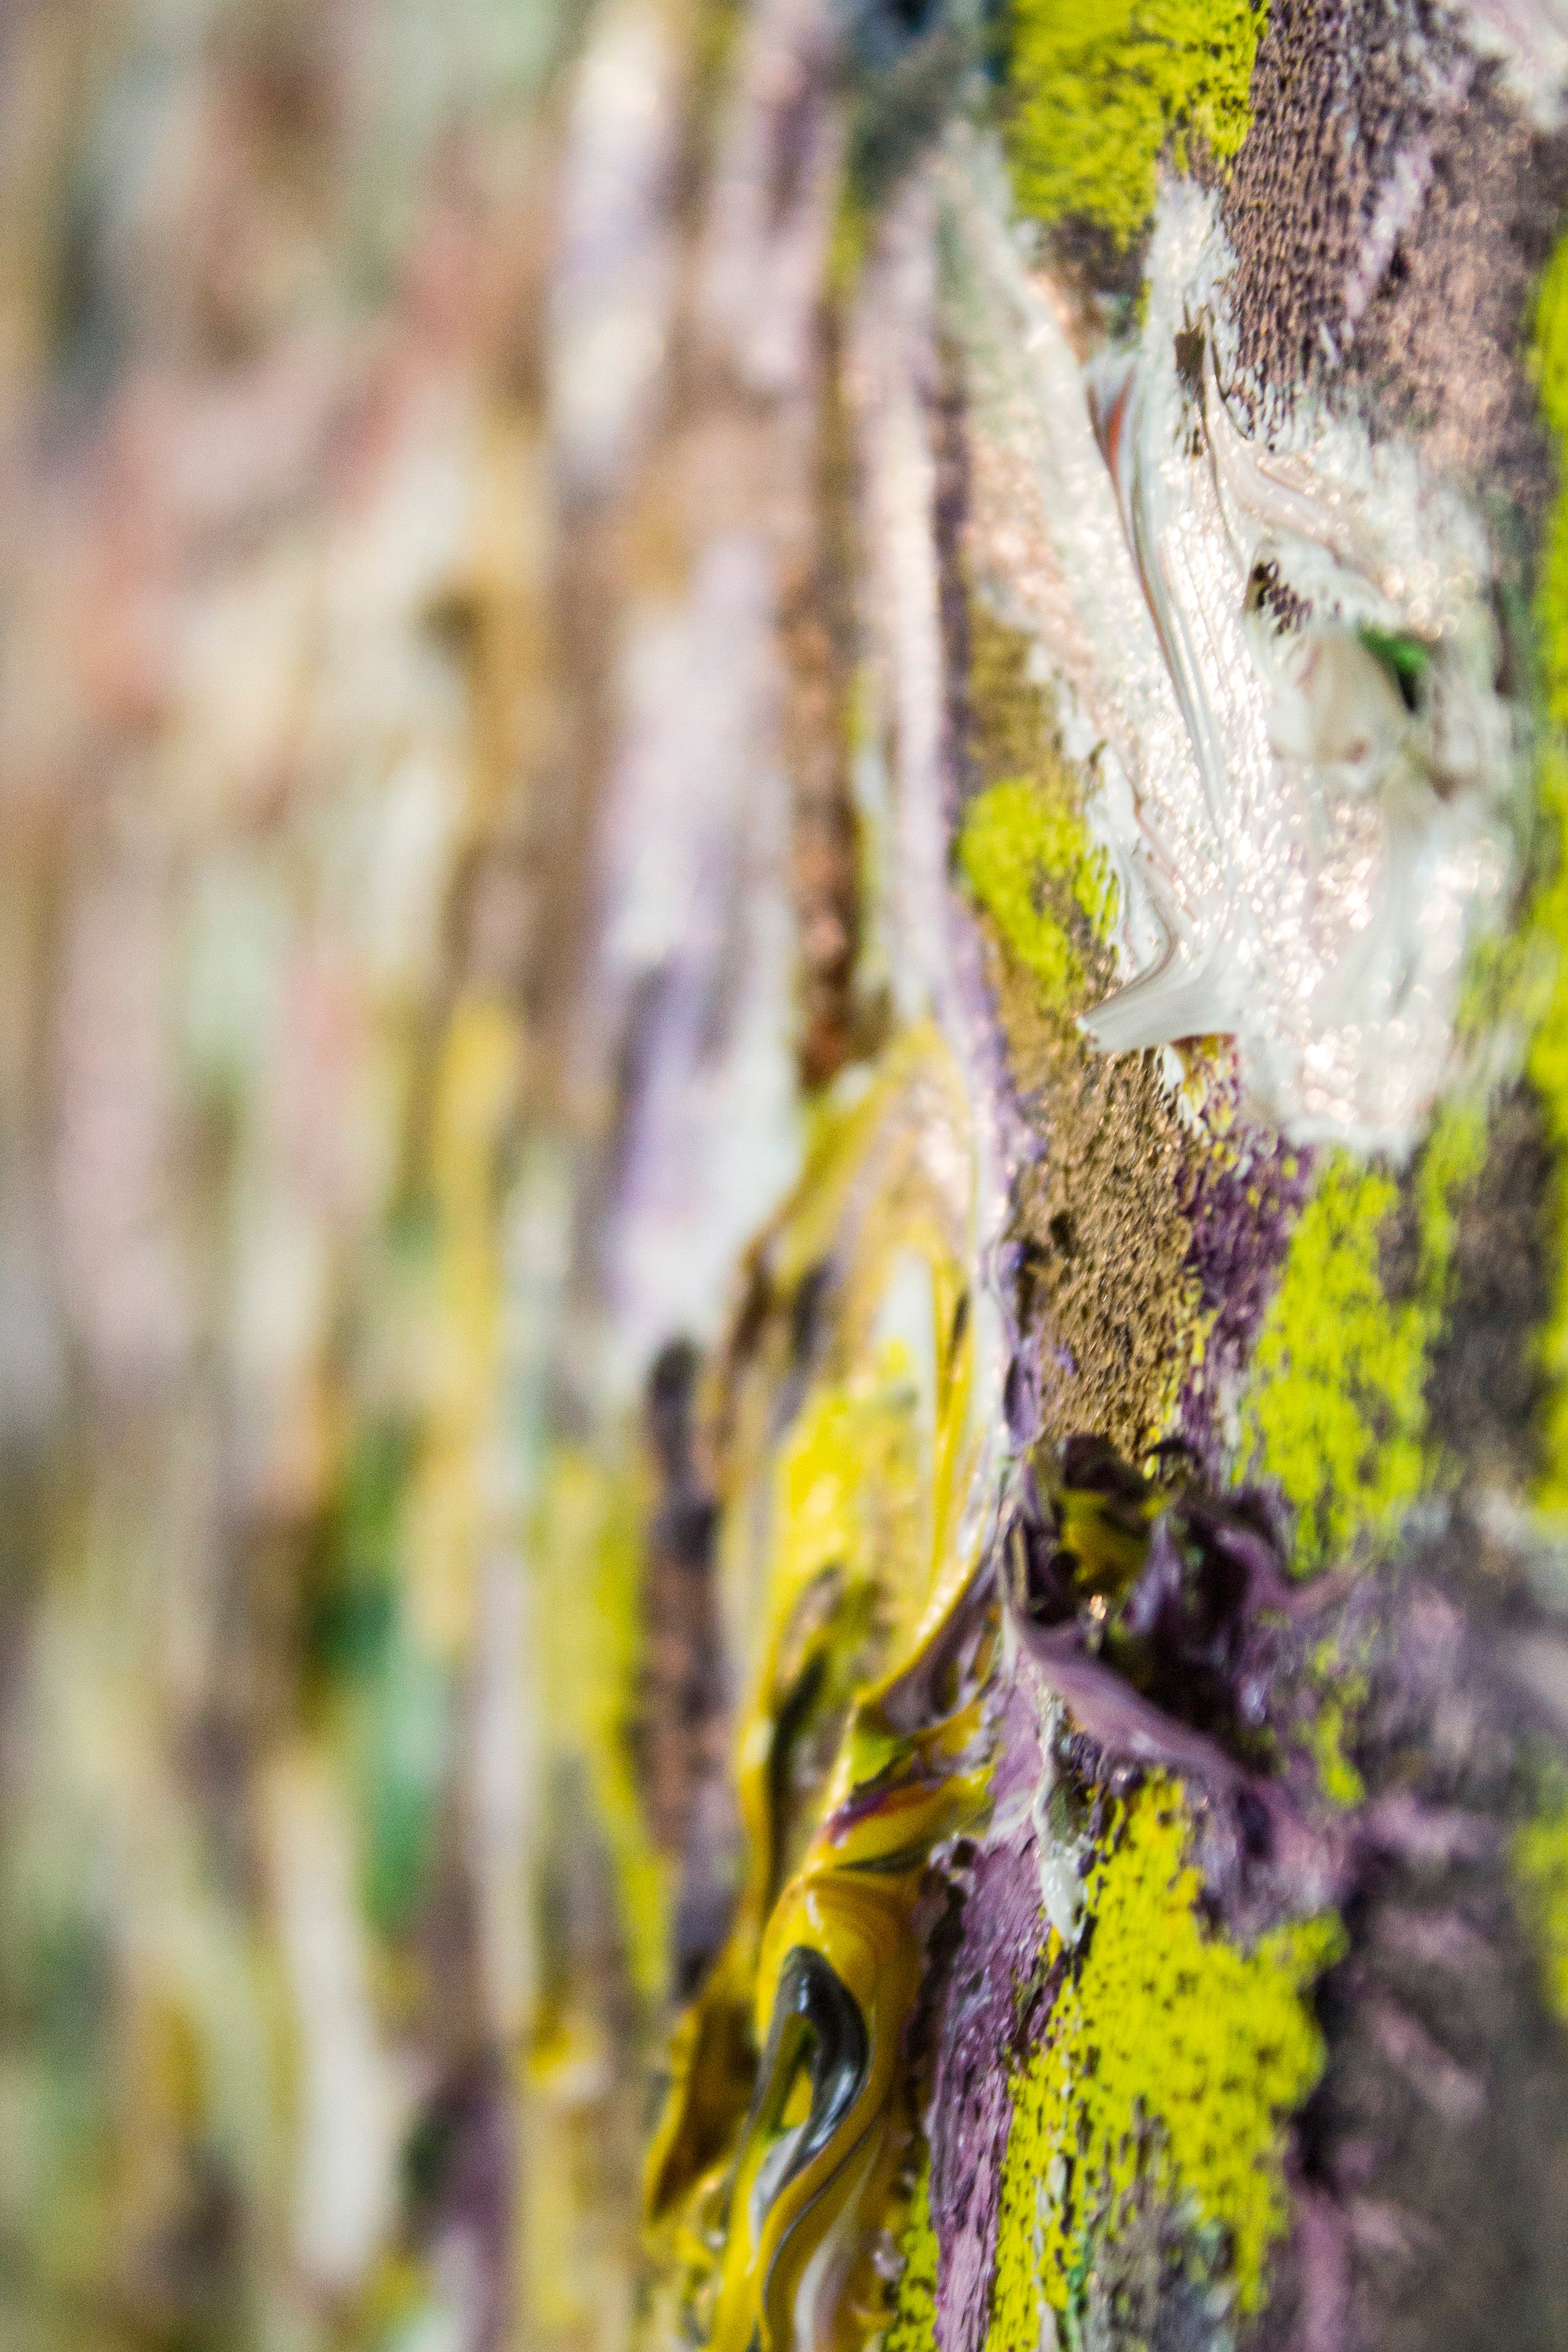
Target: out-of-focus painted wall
301 686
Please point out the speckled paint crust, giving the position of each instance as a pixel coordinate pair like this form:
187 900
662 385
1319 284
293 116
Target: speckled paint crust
1166 2063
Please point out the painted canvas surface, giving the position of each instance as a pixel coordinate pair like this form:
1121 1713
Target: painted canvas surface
783 1124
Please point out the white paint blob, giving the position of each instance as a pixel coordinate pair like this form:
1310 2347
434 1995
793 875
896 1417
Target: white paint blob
1288 653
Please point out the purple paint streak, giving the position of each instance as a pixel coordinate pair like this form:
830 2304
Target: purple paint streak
983 2028
1241 1216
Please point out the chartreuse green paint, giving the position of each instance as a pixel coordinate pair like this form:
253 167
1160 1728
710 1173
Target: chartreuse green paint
1547 948
1337 1774
1334 1411
913 2326
1102 89
1335 1408
1540 1847
1027 857
1171 2061
1024 850
1541 1872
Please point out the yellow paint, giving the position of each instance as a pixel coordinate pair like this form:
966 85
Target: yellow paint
587 1552
854 1901
846 1555
449 1502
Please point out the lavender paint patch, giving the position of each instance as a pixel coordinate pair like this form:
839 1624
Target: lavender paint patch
1241 1209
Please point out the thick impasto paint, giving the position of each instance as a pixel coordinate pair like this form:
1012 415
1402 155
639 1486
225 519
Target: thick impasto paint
784 1113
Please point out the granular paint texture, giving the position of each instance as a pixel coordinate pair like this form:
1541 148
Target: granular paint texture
1098 96
1166 2064
1336 1407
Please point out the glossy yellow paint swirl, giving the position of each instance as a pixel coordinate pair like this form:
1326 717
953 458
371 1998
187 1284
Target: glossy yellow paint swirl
861 1745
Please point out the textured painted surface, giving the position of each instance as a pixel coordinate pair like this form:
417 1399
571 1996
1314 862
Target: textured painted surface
1101 97
1548 1060
857 1744
1335 1408
710 1635
1014 848
1167 2060
1540 1860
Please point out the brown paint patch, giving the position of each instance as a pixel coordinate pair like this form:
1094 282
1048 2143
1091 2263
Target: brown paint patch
1108 1301
1390 209
819 638
1106 1292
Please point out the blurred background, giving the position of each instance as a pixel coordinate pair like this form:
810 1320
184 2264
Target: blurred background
401 1026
